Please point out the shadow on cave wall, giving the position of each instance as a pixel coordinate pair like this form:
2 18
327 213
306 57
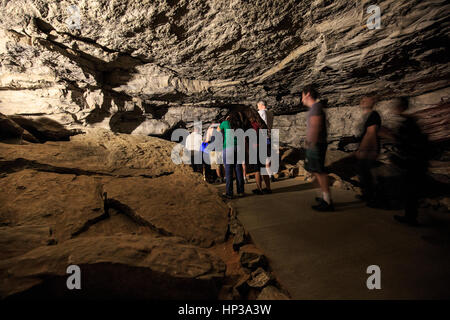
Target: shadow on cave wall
99 114
126 121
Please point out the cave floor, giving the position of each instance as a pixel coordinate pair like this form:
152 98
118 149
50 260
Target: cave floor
318 255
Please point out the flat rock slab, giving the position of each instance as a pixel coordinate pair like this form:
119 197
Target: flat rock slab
179 204
117 206
99 151
18 240
117 267
44 129
272 293
136 171
64 203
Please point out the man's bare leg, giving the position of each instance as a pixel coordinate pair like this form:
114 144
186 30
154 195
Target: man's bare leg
323 180
258 181
266 179
269 171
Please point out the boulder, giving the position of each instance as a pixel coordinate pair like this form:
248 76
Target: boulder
152 127
9 129
252 259
239 240
259 279
272 293
235 226
242 288
115 267
301 171
44 129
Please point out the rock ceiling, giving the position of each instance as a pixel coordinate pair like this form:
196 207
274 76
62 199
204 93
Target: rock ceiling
211 53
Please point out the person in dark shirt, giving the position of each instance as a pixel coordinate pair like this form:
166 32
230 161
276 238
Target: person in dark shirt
369 149
316 146
257 123
411 160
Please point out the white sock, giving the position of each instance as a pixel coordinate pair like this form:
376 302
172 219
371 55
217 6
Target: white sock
327 197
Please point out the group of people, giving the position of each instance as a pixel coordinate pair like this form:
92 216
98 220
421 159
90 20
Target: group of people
247 119
236 168
409 158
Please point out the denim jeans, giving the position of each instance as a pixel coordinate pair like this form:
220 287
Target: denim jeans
231 168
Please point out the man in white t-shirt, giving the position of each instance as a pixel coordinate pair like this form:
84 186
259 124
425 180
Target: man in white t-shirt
194 145
215 156
267 116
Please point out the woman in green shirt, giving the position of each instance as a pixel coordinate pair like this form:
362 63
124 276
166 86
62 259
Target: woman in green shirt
232 122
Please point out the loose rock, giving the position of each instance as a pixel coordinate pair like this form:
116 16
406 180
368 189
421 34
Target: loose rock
272 293
260 278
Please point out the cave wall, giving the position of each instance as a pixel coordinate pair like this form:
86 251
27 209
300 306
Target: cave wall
143 66
346 121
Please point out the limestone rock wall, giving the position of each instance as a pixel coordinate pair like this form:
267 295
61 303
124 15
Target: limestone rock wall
130 62
346 121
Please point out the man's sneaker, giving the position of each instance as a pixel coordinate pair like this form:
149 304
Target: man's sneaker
266 191
258 192
324 206
406 220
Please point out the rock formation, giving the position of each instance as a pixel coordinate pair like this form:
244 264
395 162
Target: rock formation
142 67
113 200
121 70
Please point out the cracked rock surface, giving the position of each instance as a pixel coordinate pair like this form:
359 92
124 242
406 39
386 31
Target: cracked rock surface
155 268
111 200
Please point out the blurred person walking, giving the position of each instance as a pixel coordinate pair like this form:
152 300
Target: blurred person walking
368 150
411 154
316 146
